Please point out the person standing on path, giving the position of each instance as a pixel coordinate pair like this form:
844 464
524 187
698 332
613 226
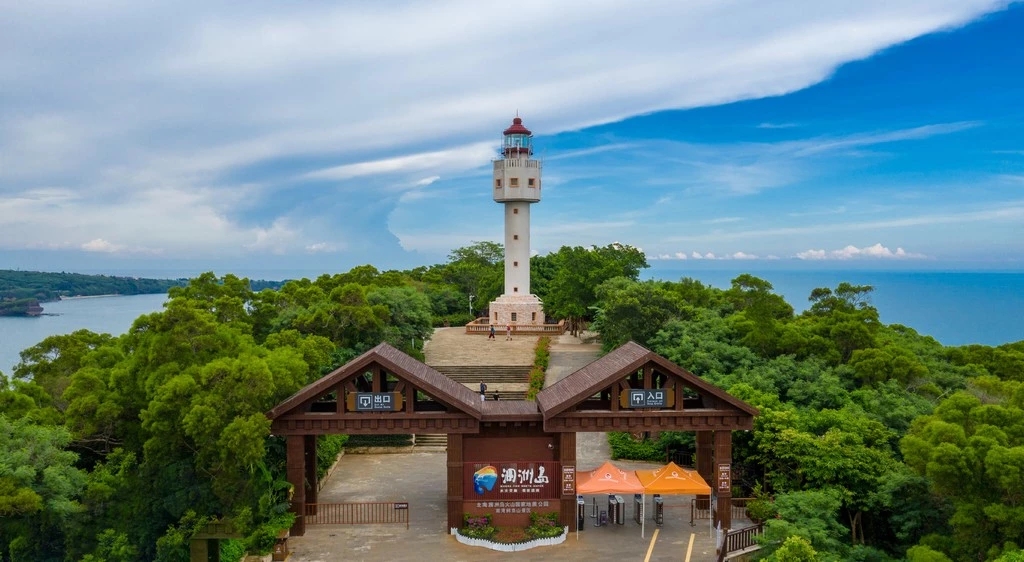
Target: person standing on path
490 336
508 332
483 391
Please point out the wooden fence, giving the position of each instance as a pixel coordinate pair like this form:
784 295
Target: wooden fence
700 508
740 539
357 513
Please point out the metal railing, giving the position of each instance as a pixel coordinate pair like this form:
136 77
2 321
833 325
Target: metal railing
477 327
357 513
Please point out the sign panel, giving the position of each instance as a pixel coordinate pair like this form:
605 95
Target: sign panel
401 505
651 398
511 480
375 402
568 480
724 477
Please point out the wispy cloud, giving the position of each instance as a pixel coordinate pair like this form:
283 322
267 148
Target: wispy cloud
767 125
1009 211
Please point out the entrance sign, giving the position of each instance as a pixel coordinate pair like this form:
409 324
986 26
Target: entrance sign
652 398
568 480
511 480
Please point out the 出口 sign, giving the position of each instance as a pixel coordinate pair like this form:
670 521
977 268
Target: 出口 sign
511 480
374 402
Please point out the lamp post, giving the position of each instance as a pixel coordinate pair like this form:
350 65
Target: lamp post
471 297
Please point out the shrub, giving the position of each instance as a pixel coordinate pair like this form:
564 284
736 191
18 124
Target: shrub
398 440
544 526
762 507
478 526
624 446
538 374
327 449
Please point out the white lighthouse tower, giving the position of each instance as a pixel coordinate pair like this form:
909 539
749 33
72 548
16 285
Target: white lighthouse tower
516 186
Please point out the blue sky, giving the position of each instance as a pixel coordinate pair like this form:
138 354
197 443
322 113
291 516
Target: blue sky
310 136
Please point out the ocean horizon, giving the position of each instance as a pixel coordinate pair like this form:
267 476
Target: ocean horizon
954 307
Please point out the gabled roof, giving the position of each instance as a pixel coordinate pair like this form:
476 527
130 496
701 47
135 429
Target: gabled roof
395 362
615 366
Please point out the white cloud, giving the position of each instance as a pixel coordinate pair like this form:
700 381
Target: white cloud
321 247
427 181
743 256
100 245
877 251
767 125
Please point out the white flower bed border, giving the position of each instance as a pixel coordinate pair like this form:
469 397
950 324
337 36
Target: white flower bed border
513 547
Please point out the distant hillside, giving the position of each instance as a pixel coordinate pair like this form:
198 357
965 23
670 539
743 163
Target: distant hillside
43 286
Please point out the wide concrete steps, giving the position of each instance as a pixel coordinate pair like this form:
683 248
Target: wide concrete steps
501 374
431 440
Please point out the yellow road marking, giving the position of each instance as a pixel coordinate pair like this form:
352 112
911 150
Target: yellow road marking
650 549
689 549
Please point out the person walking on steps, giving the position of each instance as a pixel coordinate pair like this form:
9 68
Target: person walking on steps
508 332
490 336
483 391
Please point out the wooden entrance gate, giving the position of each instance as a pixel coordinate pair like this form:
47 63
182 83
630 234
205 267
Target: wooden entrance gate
357 513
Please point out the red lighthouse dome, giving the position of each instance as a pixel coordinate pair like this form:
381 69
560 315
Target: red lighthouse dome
517 128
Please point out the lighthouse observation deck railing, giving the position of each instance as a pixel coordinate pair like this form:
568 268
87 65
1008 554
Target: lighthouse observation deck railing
502 163
483 326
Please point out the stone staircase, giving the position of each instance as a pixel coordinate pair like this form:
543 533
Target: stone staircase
431 440
490 374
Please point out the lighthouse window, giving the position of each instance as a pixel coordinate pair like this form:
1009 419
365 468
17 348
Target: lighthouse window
515 211
529 182
515 237
497 184
515 264
514 315
513 182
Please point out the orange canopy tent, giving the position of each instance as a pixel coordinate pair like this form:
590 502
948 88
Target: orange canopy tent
672 479
608 479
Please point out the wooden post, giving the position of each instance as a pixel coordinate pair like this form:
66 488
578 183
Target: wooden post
455 480
722 483
309 450
565 444
295 466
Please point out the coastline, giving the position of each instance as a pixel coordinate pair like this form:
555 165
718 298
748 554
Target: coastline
77 297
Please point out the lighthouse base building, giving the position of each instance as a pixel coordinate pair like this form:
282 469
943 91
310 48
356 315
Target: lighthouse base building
517 310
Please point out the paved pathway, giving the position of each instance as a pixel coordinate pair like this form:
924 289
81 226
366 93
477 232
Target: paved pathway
452 346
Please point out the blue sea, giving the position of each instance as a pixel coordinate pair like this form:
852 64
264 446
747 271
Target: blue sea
954 307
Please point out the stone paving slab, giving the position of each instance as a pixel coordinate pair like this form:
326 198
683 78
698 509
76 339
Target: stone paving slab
453 346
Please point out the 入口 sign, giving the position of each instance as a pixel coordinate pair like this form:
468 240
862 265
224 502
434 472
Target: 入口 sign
650 398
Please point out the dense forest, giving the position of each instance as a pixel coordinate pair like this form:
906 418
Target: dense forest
873 442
